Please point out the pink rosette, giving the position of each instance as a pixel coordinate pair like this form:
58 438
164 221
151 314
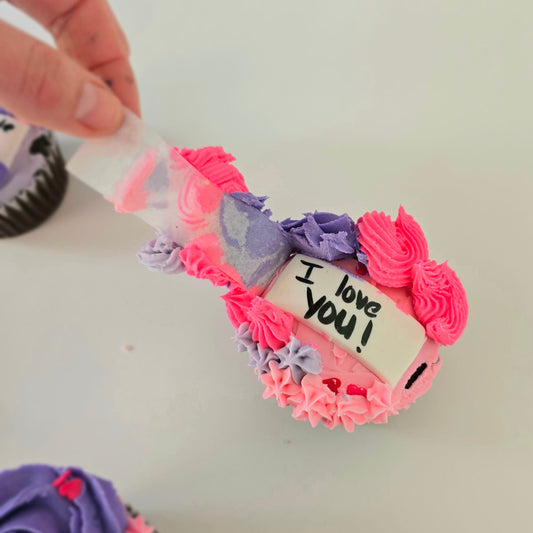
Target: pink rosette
350 411
314 402
439 301
215 165
238 303
279 384
197 264
392 248
270 326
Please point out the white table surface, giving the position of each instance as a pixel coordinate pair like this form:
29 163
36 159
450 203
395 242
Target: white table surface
342 106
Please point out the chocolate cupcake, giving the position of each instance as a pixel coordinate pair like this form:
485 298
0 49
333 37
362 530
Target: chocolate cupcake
33 177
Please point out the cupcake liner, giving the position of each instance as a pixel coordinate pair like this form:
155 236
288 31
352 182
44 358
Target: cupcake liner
32 206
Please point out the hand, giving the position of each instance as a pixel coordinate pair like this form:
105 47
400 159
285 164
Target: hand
80 88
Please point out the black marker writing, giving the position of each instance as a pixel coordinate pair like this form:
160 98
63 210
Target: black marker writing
328 312
349 294
308 272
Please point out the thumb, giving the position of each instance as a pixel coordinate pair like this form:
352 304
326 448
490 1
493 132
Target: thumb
46 87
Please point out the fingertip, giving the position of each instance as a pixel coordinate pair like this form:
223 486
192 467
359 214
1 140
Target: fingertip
98 109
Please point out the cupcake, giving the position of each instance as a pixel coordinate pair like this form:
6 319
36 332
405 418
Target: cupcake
33 177
342 318
46 499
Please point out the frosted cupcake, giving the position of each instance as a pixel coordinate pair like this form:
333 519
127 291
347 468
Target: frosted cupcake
342 318
33 178
46 499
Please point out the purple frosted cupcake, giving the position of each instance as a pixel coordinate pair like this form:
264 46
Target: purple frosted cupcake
33 177
45 499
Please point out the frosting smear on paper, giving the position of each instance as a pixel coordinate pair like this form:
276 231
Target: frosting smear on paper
142 174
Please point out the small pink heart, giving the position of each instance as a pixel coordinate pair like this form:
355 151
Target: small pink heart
71 489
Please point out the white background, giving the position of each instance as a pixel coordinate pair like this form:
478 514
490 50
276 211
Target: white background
342 106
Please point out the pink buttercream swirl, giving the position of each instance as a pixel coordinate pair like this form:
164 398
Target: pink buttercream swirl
392 248
279 384
215 165
270 326
314 402
439 301
238 301
197 198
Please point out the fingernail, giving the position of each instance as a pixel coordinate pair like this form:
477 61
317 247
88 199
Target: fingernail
98 108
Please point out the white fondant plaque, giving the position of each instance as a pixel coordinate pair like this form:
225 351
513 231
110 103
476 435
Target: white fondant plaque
353 313
12 133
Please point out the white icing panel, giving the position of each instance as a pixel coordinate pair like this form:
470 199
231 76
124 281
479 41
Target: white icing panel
12 133
353 313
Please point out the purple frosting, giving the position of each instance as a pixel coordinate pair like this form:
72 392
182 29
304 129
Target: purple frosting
243 337
301 359
29 502
162 255
258 202
259 357
322 235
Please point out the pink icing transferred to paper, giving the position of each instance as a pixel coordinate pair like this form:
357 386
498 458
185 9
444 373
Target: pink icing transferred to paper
195 200
392 248
439 301
129 195
271 327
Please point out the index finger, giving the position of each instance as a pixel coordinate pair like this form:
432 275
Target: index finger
88 31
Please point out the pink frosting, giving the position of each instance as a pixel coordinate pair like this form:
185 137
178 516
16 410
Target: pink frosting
215 165
198 264
349 412
392 248
314 402
439 301
279 384
138 525
270 326
238 301
196 199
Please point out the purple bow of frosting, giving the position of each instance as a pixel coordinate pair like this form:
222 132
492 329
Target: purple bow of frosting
322 235
45 499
